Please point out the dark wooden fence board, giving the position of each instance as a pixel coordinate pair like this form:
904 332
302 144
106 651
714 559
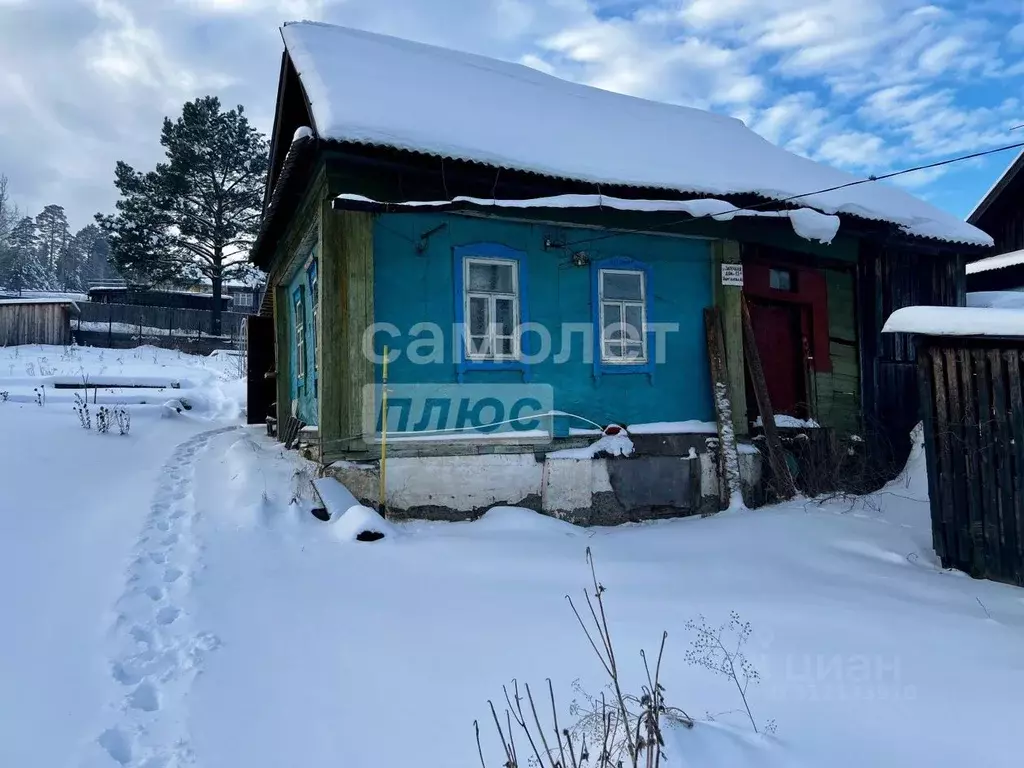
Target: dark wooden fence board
973 412
1017 425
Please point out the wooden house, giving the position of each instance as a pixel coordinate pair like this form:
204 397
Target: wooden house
1000 213
36 321
494 226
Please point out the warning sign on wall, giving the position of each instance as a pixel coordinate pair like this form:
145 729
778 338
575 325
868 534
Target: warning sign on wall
732 274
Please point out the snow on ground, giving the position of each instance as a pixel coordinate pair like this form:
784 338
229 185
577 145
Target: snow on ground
72 508
169 600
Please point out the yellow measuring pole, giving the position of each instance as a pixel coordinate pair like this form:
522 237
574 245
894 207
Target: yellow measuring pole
384 436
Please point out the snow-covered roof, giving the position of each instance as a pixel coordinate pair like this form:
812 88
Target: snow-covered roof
956 321
379 90
1011 259
69 302
807 223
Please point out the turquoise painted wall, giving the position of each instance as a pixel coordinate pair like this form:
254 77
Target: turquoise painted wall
412 287
302 390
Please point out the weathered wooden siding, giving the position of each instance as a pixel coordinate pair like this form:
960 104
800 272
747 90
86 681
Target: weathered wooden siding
889 279
31 323
346 312
973 410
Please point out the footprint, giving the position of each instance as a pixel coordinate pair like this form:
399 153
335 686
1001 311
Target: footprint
167 614
154 593
170 540
163 525
142 635
158 557
145 697
124 674
172 574
117 745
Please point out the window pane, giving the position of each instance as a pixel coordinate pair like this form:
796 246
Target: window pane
780 279
634 320
478 320
478 345
621 285
504 346
504 317
494 278
612 350
612 319
633 350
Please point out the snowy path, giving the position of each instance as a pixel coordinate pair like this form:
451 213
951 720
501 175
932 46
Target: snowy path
158 647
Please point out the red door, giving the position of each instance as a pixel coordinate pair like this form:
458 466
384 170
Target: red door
777 330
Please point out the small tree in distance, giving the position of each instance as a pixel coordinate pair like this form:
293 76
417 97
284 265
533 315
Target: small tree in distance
197 214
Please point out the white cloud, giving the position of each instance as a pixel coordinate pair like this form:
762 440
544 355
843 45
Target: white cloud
869 85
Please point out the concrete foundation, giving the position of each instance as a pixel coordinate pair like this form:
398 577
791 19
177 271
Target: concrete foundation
605 491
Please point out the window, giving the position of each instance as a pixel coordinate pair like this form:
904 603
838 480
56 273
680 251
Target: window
314 305
300 335
623 316
242 300
782 280
491 309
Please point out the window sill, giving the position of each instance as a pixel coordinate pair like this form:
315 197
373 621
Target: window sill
622 369
469 366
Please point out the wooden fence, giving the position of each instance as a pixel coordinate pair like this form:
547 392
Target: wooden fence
155 322
973 409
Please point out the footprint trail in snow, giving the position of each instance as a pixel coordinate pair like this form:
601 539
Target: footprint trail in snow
158 648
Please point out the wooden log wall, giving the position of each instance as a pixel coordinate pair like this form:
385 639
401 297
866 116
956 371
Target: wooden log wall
973 409
31 323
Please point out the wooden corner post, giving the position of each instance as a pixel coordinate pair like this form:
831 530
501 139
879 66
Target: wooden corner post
727 276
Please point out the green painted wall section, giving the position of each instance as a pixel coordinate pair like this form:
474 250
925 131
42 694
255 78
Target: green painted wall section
838 392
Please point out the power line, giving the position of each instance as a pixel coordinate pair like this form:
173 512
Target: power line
847 185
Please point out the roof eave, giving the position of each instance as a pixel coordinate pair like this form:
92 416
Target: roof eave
996 190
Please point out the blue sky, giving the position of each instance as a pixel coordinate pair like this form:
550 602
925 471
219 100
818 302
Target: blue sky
866 85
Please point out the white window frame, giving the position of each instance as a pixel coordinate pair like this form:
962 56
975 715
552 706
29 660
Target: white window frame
491 355
300 336
242 299
622 304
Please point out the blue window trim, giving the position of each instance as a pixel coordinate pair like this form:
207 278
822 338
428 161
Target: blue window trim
486 251
602 368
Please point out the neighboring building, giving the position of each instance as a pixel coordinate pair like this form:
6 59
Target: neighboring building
1000 213
414 188
36 321
237 297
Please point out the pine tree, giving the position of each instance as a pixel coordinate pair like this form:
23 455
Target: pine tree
8 217
54 234
92 245
199 211
27 269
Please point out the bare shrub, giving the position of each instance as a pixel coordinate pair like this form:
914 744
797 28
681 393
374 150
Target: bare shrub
123 419
720 650
611 731
104 418
81 409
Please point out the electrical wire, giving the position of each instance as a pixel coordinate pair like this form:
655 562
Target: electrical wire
868 180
